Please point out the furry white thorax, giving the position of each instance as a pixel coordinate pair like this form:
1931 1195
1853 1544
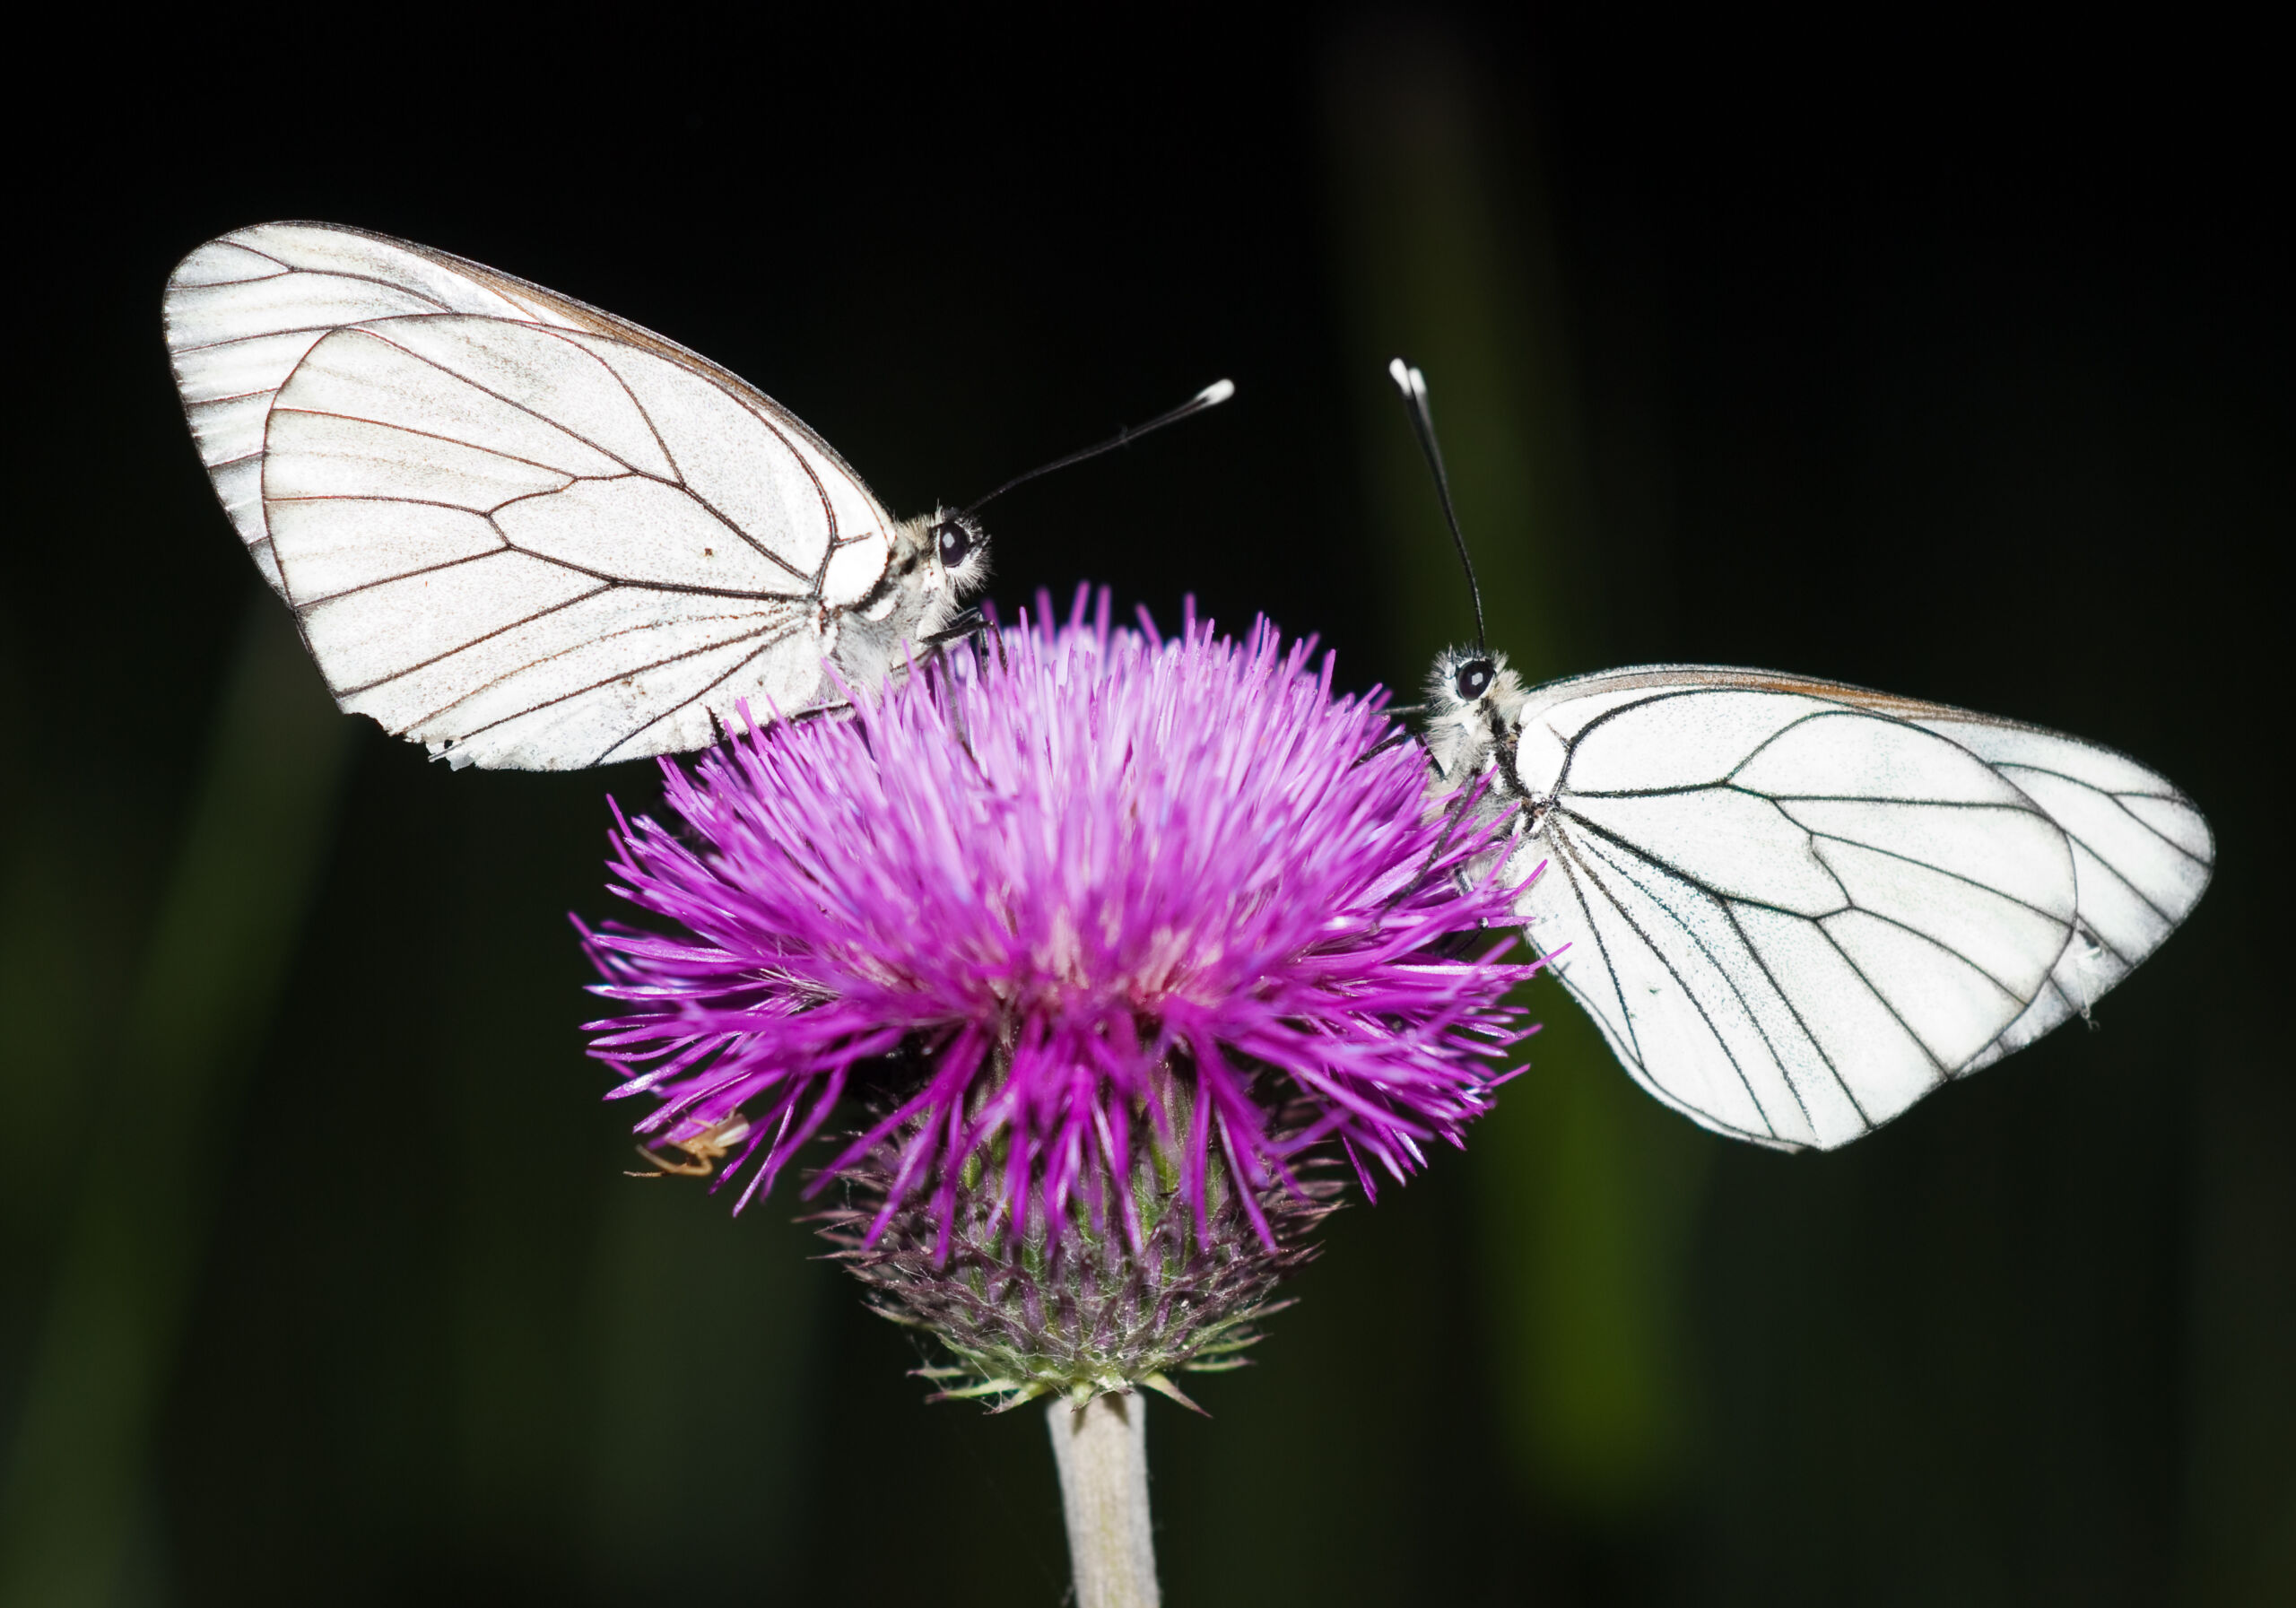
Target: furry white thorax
1471 744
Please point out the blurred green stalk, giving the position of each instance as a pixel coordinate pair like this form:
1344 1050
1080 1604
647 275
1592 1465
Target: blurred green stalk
1589 1190
220 946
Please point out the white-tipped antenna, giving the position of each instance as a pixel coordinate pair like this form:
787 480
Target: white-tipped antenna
1412 384
1211 395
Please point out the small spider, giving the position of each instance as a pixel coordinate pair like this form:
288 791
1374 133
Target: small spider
703 1151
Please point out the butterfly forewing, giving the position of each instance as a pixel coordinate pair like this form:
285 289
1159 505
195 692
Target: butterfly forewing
1794 907
515 527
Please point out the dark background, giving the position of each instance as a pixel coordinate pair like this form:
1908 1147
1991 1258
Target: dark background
1948 354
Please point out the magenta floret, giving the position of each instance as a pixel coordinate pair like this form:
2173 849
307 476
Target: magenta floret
1039 876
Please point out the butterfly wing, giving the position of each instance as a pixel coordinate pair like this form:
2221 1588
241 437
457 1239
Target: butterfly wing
1796 906
514 527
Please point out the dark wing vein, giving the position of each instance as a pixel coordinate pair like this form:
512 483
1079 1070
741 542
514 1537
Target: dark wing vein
432 435
614 374
387 284
384 680
1944 871
299 604
1596 828
1882 999
2122 799
829 511
1722 1043
1679 986
680 482
511 457
1848 902
1794 1009
1804 719
373 328
762 648
623 673
2141 897
466 695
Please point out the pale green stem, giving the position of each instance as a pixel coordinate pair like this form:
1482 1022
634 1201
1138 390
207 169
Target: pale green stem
1101 1449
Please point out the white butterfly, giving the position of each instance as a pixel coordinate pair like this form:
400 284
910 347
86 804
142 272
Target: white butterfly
529 533
1795 907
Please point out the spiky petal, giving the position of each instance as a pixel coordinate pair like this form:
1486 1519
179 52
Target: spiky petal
1048 885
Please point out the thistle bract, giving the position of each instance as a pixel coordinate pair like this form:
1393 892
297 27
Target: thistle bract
1114 933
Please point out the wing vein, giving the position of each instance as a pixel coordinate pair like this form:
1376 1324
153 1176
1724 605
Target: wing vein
1801 1022
1684 987
432 435
385 681
2122 799
623 384
519 670
1919 1043
762 647
1598 830
300 604
1966 881
1802 719
559 425
623 674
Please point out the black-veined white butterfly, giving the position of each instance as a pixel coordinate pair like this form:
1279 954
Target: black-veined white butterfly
1796 906
528 532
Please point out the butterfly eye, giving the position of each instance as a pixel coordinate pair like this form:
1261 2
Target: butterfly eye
1473 679
955 543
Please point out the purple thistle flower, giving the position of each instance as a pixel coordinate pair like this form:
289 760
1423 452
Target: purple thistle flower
1130 921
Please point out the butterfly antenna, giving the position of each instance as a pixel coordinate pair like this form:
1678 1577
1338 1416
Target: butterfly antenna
1412 384
1211 395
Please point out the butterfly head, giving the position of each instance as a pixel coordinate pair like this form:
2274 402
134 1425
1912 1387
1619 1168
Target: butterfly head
960 553
938 561
1474 702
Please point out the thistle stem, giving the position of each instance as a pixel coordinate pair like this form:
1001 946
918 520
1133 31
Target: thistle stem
1101 1450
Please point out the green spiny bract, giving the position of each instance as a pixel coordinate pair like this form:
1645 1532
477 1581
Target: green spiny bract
1082 1311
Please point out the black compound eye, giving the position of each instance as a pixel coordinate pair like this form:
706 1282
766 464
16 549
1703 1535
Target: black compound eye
1473 679
955 543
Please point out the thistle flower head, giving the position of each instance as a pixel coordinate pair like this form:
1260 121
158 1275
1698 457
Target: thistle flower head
1117 928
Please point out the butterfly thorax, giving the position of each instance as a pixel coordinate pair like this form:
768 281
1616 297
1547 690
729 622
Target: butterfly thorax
1474 706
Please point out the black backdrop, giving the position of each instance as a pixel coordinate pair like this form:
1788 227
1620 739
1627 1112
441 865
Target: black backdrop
1951 359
